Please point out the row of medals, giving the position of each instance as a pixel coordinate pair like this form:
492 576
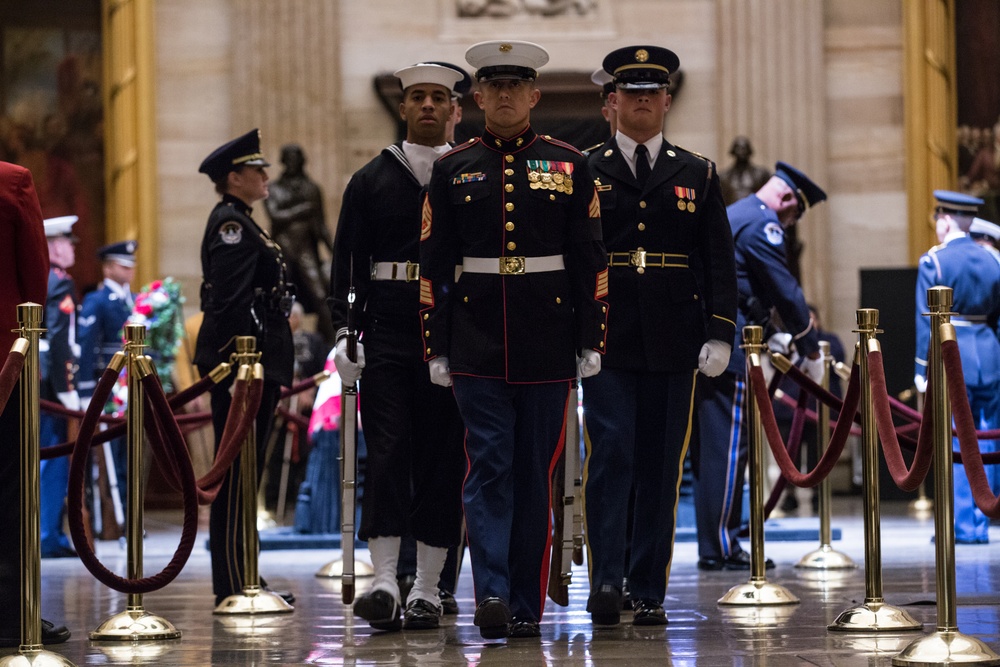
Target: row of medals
685 205
548 181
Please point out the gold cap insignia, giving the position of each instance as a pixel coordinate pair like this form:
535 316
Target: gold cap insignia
504 48
671 153
642 55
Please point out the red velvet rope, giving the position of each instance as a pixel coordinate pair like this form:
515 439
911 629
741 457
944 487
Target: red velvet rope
966 426
9 376
789 469
813 416
305 385
76 491
906 478
293 418
794 446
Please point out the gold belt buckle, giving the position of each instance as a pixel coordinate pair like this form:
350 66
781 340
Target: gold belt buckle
412 271
637 258
511 266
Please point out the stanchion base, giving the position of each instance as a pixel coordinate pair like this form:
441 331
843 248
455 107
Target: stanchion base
335 569
35 658
946 648
872 616
758 593
826 558
135 624
254 600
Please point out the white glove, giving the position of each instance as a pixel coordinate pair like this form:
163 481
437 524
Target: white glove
781 343
920 382
85 402
349 371
588 363
813 368
440 371
714 357
69 399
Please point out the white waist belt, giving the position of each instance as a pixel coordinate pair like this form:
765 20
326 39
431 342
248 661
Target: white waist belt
512 266
407 271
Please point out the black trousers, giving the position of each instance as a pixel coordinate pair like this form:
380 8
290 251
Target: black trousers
225 523
414 435
10 514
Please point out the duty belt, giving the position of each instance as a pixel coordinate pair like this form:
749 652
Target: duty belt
513 266
408 271
968 320
643 260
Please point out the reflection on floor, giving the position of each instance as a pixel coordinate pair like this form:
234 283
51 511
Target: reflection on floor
322 631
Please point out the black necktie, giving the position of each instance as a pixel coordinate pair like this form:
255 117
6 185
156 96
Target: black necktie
641 164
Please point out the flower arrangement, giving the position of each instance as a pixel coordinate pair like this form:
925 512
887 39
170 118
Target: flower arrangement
158 308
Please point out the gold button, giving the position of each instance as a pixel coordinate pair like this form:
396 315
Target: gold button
601 344
428 350
558 300
509 226
465 299
509 206
426 315
509 158
695 297
603 327
468 198
604 309
640 270
508 172
642 226
642 204
511 245
552 197
509 187
427 334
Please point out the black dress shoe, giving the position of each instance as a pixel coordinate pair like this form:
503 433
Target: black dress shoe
287 596
449 605
51 634
524 628
493 618
379 608
711 563
421 615
405 582
626 596
605 605
648 612
741 561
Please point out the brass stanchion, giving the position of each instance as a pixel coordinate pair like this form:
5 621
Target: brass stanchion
922 504
826 557
873 615
135 623
253 599
31 652
947 645
757 591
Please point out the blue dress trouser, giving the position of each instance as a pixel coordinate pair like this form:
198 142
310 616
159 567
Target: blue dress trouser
971 525
53 482
514 434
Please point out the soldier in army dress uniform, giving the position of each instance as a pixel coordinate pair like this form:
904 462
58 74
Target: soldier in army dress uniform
672 302
243 293
518 212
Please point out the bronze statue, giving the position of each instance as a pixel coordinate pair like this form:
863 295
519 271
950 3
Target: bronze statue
298 225
743 178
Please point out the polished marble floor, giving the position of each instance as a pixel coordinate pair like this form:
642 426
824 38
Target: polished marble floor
321 631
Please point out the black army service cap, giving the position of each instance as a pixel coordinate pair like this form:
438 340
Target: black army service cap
511 59
641 67
243 151
807 192
122 253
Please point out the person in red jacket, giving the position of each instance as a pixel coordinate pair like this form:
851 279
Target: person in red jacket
24 271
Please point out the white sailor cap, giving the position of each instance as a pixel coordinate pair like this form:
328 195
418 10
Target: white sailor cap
428 73
61 226
986 228
506 59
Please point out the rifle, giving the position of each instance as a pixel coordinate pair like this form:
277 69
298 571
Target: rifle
349 456
565 496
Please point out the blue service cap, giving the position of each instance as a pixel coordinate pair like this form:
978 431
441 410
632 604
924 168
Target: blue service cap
122 253
243 151
61 226
463 86
980 227
948 201
807 192
641 67
510 59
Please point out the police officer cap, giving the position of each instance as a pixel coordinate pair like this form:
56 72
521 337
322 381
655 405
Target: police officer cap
242 151
506 60
122 253
641 67
982 227
428 73
61 226
463 86
807 192
604 80
957 202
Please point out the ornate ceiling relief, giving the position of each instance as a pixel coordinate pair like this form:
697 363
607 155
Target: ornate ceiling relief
505 8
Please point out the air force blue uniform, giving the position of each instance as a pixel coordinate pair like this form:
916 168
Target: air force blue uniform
102 316
974 276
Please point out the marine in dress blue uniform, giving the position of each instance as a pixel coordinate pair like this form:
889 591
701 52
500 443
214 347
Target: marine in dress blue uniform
973 274
672 290
519 213
764 282
59 353
413 431
243 293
